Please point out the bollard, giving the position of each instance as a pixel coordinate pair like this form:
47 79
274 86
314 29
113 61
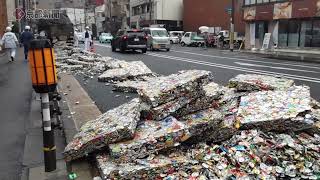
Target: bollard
44 80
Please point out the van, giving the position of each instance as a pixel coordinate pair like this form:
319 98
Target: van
158 38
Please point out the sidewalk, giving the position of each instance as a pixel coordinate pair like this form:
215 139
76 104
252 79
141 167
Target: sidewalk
73 117
15 94
302 55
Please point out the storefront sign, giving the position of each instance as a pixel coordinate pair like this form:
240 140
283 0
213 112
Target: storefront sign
282 10
266 41
250 13
318 8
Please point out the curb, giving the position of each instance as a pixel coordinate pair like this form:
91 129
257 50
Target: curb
298 57
81 109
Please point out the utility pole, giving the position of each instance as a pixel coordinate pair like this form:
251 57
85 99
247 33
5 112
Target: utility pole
232 26
85 13
150 9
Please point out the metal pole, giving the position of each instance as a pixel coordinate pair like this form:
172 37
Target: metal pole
232 27
49 147
150 9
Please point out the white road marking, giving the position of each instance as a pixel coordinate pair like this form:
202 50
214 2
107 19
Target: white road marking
274 67
249 60
103 45
296 77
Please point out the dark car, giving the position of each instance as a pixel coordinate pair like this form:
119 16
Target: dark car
129 40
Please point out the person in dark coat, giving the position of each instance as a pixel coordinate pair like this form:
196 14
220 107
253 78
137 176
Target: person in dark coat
26 38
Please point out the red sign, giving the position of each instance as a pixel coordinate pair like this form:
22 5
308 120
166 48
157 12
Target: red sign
19 14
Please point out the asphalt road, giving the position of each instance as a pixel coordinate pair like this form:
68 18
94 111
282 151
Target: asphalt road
222 63
15 96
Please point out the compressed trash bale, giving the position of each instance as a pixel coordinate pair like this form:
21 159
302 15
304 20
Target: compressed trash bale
276 110
76 62
255 82
127 71
115 125
71 67
150 137
204 125
212 92
167 109
129 86
150 168
160 90
153 136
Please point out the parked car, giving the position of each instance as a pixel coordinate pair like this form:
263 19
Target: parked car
158 38
105 38
129 40
192 39
175 36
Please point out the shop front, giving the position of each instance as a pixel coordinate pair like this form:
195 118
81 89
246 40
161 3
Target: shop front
294 24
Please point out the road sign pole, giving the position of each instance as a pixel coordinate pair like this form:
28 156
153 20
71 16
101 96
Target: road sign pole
49 147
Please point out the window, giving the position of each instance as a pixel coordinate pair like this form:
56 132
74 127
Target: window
283 33
247 2
252 1
187 35
305 34
293 33
261 30
316 34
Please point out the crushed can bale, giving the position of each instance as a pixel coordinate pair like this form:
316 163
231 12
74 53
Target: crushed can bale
127 71
153 136
150 137
276 110
211 93
115 125
149 168
255 82
160 90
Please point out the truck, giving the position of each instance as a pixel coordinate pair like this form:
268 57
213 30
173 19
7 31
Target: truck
54 30
192 39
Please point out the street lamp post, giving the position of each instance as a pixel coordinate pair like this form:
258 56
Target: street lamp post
44 81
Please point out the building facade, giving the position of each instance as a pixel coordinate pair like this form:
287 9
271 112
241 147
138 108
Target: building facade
212 13
146 12
11 9
117 15
3 16
292 24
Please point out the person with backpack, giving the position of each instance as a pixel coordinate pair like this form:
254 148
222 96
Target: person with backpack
10 41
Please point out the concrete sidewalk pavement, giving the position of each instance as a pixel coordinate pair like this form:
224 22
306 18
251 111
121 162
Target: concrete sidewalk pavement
77 108
15 95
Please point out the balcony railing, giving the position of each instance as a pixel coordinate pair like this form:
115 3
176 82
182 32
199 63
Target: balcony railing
260 2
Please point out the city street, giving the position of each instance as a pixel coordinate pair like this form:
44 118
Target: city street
223 64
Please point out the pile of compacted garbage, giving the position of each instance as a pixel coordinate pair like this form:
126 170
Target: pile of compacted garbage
186 126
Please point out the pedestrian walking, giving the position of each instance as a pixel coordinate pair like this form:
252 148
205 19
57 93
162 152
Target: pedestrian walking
26 38
87 39
76 38
10 41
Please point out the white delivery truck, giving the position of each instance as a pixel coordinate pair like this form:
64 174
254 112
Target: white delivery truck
158 38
